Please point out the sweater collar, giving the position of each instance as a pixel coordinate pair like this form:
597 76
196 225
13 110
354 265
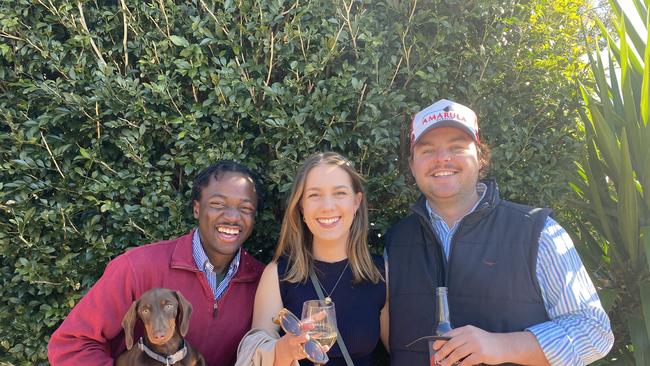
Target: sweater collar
182 258
203 263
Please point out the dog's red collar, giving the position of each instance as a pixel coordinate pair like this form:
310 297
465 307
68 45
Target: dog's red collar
167 360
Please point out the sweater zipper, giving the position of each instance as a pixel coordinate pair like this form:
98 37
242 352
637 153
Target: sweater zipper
215 306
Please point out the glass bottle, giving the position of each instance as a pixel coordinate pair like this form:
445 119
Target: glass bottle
443 324
442 315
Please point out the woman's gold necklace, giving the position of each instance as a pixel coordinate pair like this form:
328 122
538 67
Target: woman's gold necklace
328 298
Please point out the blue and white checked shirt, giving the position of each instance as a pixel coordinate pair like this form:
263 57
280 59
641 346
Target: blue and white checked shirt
203 264
579 331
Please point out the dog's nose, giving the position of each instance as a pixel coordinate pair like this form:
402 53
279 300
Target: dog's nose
159 335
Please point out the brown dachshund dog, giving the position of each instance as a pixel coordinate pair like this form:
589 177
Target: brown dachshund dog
166 318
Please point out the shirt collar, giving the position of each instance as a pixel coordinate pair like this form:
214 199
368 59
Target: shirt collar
201 259
481 188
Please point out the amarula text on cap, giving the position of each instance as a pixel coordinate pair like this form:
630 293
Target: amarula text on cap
444 113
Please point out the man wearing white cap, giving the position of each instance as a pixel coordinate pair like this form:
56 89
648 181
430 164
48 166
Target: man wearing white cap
518 292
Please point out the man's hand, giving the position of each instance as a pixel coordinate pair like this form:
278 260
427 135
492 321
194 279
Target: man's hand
470 345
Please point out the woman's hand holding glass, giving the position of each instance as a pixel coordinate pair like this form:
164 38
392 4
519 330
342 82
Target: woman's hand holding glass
322 316
296 344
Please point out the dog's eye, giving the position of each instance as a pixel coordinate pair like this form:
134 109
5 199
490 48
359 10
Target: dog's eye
145 311
169 306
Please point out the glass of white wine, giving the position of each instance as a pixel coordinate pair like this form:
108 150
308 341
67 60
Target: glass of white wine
322 315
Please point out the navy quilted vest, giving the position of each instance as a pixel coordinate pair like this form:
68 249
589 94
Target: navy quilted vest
490 273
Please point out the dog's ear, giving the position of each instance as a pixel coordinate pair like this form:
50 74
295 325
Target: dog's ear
184 312
128 322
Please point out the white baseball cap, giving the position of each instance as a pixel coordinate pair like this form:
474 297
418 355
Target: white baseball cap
444 113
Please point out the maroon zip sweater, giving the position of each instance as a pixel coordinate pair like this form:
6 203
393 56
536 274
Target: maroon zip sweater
92 332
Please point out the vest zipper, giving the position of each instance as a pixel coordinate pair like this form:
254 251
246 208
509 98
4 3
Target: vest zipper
426 224
215 309
451 250
478 209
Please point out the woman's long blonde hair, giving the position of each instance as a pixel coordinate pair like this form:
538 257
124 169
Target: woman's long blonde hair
296 241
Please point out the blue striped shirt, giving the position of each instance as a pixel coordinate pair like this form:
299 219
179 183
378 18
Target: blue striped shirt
579 331
204 265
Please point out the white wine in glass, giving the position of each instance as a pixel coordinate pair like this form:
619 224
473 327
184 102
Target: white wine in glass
326 339
322 315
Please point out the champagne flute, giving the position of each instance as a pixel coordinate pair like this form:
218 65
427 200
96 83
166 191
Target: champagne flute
322 316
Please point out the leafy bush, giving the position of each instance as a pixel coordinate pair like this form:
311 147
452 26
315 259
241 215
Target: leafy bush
108 108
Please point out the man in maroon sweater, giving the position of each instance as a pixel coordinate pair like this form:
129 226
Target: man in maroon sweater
207 265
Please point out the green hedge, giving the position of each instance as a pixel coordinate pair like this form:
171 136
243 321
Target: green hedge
108 108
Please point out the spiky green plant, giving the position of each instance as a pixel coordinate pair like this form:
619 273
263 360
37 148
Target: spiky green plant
614 179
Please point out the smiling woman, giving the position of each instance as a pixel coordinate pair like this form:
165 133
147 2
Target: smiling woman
324 232
329 205
318 182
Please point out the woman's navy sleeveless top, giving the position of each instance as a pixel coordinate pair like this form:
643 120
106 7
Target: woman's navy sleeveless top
357 307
